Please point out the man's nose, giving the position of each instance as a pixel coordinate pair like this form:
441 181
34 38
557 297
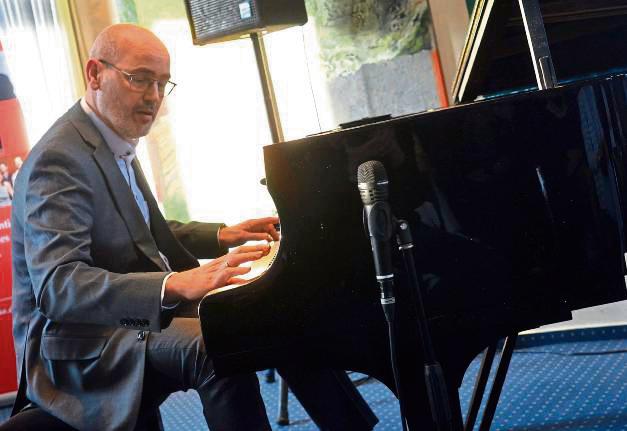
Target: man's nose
152 92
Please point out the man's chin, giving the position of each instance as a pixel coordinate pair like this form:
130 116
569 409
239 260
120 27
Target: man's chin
144 132
139 133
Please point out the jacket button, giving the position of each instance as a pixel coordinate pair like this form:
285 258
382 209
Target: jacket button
141 336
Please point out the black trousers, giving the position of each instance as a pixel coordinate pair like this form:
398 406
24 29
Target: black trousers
176 360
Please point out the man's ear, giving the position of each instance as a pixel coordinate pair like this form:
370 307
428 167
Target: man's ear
92 74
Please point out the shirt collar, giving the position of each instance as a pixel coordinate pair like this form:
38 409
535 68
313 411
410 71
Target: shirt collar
121 148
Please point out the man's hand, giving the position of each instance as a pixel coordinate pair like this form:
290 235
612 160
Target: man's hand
196 283
261 229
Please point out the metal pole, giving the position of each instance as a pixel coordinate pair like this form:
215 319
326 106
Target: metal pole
269 98
274 121
538 44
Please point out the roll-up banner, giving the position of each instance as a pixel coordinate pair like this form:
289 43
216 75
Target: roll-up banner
13 150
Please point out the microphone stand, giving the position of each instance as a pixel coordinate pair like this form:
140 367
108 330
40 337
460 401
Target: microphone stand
388 303
434 376
389 312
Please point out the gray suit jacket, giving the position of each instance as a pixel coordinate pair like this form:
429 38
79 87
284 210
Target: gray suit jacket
87 277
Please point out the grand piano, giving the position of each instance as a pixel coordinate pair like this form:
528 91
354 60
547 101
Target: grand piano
516 199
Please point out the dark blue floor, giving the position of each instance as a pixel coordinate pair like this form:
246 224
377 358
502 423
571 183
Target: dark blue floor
574 380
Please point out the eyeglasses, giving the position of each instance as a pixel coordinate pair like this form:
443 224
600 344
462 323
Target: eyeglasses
142 82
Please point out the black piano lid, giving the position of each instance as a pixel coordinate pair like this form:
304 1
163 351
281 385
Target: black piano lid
586 38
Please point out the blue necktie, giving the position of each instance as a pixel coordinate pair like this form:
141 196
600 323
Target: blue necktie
129 175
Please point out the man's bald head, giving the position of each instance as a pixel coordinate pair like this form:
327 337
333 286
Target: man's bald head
126 76
118 39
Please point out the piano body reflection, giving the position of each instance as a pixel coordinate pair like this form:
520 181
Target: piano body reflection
517 206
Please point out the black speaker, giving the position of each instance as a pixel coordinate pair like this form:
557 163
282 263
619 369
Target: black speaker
220 20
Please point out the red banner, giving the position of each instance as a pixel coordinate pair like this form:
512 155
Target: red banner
8 378
13 149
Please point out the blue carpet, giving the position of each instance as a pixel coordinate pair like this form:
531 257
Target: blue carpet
572 380
572 386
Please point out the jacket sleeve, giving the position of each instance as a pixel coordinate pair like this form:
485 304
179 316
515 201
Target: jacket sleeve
200 239
58 219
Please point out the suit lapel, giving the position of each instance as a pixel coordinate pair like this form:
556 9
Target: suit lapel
178 255
118 188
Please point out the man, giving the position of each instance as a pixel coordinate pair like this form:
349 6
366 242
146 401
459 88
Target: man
99 275
5 197
5 179
18 164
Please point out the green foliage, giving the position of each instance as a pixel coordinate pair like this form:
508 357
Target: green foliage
356 32
126 11
150 11
175 208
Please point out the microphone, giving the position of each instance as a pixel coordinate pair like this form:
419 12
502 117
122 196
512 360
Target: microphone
380 226
372 182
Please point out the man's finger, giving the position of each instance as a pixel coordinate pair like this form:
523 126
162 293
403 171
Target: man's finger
265 220
252 248
261 236
274 233
237 270
236 280
239 258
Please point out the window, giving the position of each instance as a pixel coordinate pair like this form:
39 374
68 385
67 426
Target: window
207 147
39 55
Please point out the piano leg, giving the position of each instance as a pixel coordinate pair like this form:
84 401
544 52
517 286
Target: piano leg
499 379
330 398
480 385
284 413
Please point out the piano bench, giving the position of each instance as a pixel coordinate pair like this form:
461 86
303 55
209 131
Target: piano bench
33 418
